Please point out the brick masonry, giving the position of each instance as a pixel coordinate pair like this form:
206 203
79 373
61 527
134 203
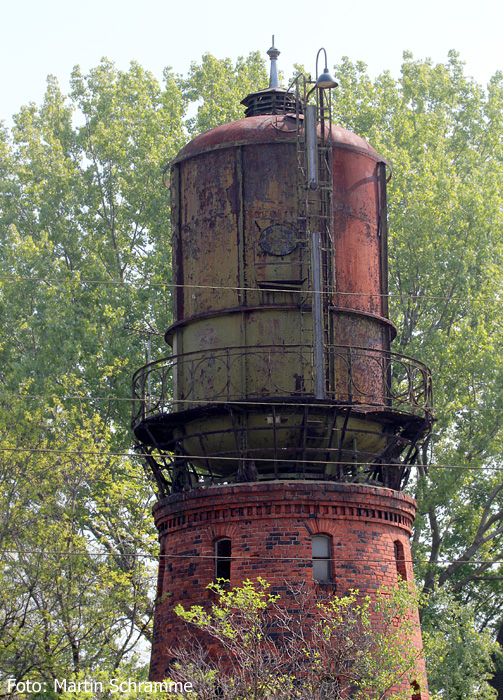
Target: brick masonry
270 525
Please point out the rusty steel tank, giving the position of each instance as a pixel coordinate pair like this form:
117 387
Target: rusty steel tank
281 365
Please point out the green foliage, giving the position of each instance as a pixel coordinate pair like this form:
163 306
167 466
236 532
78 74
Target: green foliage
75 586
459 656
86 218
217 88
327 649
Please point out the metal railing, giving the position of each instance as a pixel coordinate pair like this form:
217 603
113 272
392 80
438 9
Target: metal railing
354 376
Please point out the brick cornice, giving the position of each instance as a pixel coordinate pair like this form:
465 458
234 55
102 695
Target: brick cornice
317 503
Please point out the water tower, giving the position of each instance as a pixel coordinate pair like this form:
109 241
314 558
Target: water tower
281 429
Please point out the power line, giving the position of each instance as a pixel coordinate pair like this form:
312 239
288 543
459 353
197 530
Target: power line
243 557
72 397
279 460
77 397
173 285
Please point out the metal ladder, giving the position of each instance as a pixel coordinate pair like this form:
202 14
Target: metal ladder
314 197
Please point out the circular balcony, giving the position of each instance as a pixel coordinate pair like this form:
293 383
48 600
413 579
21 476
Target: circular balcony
354 376
225 415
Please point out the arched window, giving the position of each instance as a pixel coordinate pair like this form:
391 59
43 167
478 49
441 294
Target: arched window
322 558
415 691
400 560
223 550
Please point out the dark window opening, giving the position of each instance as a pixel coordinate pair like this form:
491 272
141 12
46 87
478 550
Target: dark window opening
400 560
223 559
416 691
322 559
160 573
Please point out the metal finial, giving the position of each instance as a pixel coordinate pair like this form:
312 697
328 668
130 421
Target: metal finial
273 54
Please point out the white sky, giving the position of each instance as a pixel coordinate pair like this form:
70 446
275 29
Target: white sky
41 38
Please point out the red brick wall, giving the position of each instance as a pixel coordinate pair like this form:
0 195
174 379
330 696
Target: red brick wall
270 525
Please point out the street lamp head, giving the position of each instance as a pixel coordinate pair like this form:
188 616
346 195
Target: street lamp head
325 80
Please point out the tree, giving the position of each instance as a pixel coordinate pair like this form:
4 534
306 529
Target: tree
323 649
85 218
218 87
75 584
460 657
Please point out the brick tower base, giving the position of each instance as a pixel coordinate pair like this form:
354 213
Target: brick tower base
270 526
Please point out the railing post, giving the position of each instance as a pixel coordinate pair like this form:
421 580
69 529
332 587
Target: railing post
388 378
350 375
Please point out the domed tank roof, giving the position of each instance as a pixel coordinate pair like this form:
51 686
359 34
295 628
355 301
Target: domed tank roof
267 128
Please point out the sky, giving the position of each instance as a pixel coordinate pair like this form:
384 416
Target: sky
42 38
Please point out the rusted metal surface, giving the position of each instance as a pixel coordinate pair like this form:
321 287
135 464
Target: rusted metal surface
267 129
232 204
359 249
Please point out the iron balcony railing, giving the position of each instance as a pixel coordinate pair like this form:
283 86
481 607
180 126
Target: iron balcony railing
354 375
